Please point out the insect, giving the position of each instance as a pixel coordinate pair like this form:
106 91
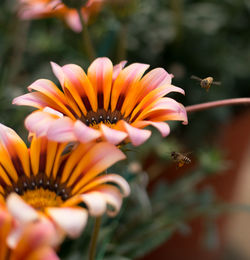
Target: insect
180 158
206 82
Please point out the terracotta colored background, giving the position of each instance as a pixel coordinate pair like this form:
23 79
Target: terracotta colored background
230 185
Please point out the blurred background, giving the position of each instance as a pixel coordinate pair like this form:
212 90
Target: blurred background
201 210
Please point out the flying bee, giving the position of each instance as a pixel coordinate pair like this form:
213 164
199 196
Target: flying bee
180 158
206 82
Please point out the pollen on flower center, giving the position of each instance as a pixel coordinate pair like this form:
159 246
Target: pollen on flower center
109 118
41 198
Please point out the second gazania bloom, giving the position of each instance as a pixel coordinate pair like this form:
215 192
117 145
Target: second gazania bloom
109 103
47 181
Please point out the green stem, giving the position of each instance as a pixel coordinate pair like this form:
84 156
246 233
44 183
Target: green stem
218 103
88 45
121 44
94 238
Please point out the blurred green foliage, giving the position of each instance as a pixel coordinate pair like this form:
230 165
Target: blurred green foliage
186 37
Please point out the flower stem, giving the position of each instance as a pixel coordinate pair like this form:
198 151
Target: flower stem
219 103
93 243
88 45
121 43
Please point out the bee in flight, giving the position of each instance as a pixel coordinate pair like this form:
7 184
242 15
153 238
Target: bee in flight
206 82
180 158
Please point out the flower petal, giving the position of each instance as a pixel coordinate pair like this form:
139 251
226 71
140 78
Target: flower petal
111 135
74 79
113 178
149 101
34 237
71 220
95 203
39 122
163 127
34 99
165 109
44 253
135 135
118 68
153 79
73 160
16 149
126 79
20 210
99 158
84 133
62 130
100 76
50 90
6 223
112 197
73 21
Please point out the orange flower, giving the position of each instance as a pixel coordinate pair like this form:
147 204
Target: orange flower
33 243
36 9
47 182
109 103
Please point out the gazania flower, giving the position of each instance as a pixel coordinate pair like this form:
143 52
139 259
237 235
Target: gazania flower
112 103
34 242
36 9
47 182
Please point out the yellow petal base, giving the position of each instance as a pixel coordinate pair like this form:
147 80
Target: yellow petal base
41 198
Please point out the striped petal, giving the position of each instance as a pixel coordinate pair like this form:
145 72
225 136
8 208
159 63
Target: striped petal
155 78
165 109
50 90
97 160
34 99
74 79
73 160
117 69
126 79
149 100
149 82
16 149
100 76
111 178
166 104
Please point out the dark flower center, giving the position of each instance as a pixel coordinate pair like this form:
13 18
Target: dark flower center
102 116
39 184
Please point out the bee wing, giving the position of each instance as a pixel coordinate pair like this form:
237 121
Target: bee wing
217 83
195 77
